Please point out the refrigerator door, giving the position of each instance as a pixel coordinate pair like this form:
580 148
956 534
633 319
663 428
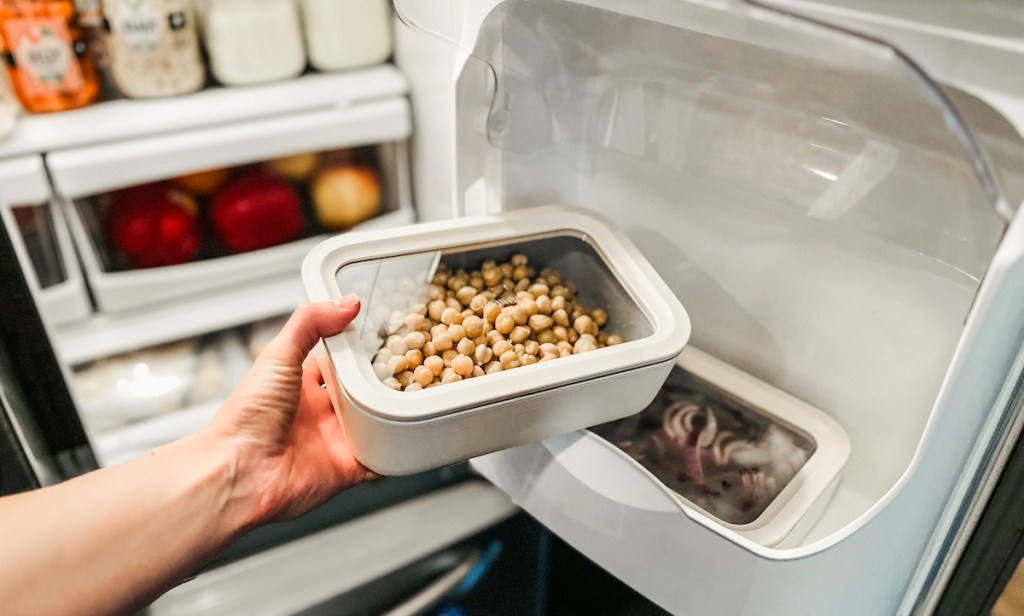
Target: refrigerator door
834 230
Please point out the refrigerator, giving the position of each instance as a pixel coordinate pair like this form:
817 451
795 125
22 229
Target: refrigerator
834 201
103 359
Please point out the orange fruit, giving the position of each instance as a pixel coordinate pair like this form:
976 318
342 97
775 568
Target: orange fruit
203 182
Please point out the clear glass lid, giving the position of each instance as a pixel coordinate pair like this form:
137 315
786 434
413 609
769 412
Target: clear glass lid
730 95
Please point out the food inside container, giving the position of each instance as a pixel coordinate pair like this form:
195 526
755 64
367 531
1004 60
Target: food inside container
474 322
734 447
469 290
217 212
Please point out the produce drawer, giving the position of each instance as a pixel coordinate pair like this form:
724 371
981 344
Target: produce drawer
173 216
41 239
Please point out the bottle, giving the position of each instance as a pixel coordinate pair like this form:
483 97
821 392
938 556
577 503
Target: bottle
153 47
344 34
253 41
45 55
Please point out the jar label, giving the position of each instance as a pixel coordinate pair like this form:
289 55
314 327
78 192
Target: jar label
43 57
140 24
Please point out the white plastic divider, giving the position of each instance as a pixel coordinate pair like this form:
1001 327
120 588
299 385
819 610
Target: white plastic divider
23 182
96 169
133 119
308 571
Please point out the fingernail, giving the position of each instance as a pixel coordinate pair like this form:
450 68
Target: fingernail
347 301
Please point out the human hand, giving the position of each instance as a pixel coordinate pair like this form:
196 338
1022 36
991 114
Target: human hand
291 452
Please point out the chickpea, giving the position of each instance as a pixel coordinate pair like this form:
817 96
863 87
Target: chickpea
519 349
435 292
477 371
527 359
573 335
474 326
584 325
383 356
531 347
396 344
519 334
457 332
415 339
560 332
548 349
478 302
585 344
450 378
434 363
504 324
452 303
415 322
509 360
493 337
600 317
437 330
492 276
465 346
518 314
462 365
539 322
518 259
491 312
404 378
543 305
382 371
501 347
492 367
443 342
560 317
423 375
414 386
480 341
538 289
549 357
557 303
465 294
482 354
436 309
564 347
614 339
397 364
392 383
451 316
529 306
448 356
506 270
440 278
413 358
546 336
429 349
522 285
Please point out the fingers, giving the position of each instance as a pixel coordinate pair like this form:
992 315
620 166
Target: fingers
308 324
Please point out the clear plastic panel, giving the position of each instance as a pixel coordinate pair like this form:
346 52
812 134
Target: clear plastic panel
810 194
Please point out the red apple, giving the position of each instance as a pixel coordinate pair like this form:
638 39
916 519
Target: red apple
153 225
255 211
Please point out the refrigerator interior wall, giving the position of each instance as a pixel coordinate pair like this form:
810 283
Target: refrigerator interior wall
826 218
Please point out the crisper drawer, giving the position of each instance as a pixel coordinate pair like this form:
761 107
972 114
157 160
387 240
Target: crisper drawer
41 239
175 215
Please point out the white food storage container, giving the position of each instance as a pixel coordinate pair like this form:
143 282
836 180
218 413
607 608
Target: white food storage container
770 460
344 34
394 432
253 41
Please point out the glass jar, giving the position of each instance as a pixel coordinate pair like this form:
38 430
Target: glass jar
153 47
253 41
343 34
45 55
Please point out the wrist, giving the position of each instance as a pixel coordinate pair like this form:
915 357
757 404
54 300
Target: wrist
232 479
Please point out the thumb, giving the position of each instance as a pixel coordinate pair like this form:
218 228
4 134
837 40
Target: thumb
308 324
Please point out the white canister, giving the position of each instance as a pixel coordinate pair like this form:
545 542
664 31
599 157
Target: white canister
253 41
344 34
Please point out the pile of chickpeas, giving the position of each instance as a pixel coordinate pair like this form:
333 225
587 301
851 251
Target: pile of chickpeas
500 317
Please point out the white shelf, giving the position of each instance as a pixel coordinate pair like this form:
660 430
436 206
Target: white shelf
105 335
214 107
132 441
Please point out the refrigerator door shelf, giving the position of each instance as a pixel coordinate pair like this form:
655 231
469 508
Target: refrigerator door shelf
118 291
396 432
23 183
827 218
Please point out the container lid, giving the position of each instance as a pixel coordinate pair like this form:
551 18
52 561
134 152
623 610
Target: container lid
720 96
390 269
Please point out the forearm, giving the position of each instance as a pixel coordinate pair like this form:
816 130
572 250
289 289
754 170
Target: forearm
114 540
